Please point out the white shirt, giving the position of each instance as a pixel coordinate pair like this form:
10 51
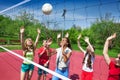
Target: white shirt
85 68
59 54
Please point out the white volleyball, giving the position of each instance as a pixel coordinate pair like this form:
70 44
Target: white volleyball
47 8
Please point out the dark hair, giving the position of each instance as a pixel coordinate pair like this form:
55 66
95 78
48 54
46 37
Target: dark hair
89 63
68 41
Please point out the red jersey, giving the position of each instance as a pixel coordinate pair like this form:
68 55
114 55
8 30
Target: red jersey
44 58
114 71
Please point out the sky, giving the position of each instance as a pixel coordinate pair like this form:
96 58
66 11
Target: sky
78 12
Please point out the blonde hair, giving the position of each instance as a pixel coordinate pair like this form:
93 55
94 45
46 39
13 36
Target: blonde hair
26 46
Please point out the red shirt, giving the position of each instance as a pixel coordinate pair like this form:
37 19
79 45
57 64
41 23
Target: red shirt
44 58
114 72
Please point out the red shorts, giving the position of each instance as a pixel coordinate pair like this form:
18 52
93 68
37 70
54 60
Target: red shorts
86 75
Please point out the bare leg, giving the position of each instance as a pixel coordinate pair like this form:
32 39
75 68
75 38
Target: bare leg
44 76
39 77
29 75
22 75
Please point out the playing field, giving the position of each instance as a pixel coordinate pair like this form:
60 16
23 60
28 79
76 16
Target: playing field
10 66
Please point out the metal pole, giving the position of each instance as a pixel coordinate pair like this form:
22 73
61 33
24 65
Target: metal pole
63 15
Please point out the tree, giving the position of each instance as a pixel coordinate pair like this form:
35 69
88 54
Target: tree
73 32
27 18
103 28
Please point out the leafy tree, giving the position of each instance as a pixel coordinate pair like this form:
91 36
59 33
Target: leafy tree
103 28
73 32
25 17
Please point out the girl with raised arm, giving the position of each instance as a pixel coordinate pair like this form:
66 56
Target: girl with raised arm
28 47
114 67
63 58
87 68
44 54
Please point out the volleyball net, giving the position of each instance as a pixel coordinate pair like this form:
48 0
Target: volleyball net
82 13
35 64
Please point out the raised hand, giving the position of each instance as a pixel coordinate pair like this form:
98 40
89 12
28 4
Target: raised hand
49 41
67 35
22 30
112 37
58 36
79 36
86 39
38 30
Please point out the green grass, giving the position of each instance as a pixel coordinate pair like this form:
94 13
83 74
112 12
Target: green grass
98 50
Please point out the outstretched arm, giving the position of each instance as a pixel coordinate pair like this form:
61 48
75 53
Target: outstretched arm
37 38
48 50
22 37
67 35
78 42
58 37
89 44
105 50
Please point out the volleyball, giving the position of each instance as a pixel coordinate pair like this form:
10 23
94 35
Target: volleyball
47 8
